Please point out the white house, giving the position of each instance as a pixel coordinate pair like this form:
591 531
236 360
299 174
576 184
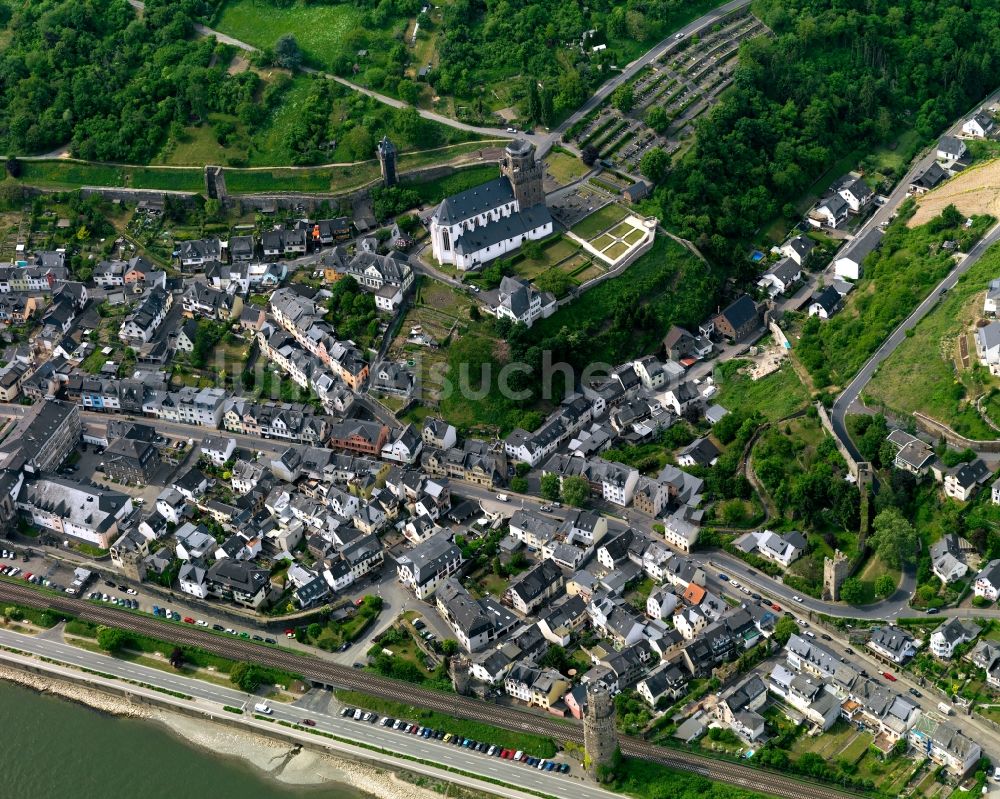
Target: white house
830 211
855 192
961 482
780 549
218 449
848 263
519 301
987 583
950 634
988 346
825 303
798 249
780 277
950 148
992 298
979 126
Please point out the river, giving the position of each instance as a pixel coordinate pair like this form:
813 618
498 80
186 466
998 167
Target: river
55 749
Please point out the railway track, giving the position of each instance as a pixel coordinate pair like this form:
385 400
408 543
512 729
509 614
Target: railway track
327 673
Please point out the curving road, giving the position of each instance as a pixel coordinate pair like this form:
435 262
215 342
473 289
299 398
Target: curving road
850 394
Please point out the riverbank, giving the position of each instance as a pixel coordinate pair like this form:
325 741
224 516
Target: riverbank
283 762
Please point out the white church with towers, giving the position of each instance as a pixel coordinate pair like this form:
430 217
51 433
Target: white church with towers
475 226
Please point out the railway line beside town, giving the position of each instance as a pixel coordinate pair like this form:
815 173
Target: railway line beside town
334 675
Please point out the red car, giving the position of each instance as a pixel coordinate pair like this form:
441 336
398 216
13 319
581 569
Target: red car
289 633
888 676
775 606
188 620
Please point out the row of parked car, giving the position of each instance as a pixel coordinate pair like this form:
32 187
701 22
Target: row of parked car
491 750
124 602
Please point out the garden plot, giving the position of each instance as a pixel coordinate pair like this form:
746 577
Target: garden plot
611 238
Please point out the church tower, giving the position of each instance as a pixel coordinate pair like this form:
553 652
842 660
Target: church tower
387 160
525 175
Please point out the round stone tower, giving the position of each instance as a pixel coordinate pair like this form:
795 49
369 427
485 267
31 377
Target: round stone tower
525 174
461 674
600 738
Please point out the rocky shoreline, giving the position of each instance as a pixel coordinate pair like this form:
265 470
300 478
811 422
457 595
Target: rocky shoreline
281 761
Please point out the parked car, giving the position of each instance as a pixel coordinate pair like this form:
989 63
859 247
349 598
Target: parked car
888 676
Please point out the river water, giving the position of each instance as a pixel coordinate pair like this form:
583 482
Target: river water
56 749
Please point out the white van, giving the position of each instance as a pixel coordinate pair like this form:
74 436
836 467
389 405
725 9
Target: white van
502 497
262 707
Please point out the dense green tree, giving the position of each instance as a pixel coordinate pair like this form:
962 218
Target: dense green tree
623 98
655 164
287 53
550 486
575 491
894 538
246 676
885 585
112 639
784 629
852 591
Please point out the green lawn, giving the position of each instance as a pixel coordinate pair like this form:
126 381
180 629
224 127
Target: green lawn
535 744
321 30
599 221
565 168
433 191
926 373
74 174
777 395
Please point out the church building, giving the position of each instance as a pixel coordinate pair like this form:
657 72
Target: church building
485 222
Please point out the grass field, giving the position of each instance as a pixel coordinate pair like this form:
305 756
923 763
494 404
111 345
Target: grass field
433 191
926 374
872 570
321 30
565 168
599 221
776 396
73 174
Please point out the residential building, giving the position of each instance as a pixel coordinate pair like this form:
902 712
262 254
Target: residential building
700 452
781 549
70 508
476 623
988 346
979 125
950 149
239 581
535 587
42 438
945 745
780 278
962 481
798 248
428 564
849 262
519 301
855 192
987 584
951 634
739 320
131 462
825 302
892 643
